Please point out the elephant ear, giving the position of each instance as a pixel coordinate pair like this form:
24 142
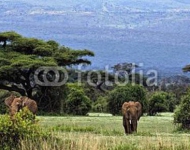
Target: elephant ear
9 100
125 106
18 101
23 104
24 100
139 109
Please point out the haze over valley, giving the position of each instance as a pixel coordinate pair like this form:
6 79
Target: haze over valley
155 33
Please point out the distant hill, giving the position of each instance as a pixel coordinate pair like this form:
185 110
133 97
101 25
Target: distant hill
155 33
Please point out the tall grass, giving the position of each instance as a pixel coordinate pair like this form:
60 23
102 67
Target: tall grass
106 133
87 141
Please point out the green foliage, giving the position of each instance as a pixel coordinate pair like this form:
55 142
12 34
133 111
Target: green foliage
54 100
106 133
3 95
21 56
77 102
186 68
182 112
100 105
94 93
49 100
73 128
128 67
160 102
9 36
53 44
125 147
178 85
123 94
172 102
22 126
92 129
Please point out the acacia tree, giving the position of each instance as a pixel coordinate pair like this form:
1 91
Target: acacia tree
21 56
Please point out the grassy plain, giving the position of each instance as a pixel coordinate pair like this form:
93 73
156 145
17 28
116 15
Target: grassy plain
105 132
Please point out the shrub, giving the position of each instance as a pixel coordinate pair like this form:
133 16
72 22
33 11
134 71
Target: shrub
77 102
23 126
100 105
3 95
123 94
182 112
160 102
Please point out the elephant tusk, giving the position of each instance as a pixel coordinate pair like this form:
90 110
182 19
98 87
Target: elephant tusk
130 121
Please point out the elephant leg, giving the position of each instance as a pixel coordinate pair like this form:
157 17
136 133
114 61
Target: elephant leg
10 111
124 124
128 126
134 126
125 127
12 114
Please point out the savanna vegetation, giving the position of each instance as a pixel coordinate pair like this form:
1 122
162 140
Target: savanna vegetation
100 131
30 67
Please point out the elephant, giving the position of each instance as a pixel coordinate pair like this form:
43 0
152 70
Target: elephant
131 112
8 101
29 103
16 103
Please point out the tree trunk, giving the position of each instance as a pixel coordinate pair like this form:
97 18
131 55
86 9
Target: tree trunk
29 93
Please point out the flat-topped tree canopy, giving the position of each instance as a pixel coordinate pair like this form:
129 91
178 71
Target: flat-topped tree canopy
186 68
21 56
8 37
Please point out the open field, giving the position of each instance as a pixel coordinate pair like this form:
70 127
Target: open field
106 133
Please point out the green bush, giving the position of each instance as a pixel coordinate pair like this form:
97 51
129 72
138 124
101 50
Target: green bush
77 102
100 105
160 102
123 94
3 95
24 125
182 112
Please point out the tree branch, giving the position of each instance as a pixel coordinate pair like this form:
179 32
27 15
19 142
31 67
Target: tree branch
12 88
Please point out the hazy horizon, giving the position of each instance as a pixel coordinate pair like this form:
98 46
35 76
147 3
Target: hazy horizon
155 33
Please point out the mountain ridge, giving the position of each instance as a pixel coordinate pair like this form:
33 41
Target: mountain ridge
155 33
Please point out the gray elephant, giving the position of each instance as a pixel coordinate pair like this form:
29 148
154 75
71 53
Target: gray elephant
131 112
